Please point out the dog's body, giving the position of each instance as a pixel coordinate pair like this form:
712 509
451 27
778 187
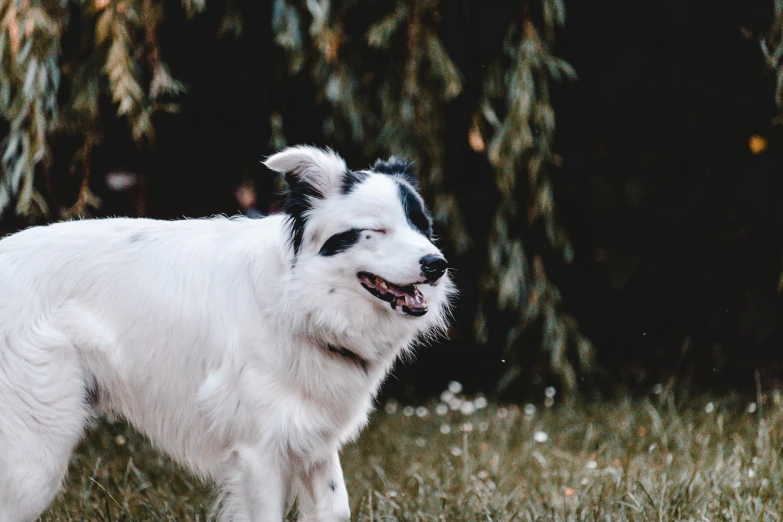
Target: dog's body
248 350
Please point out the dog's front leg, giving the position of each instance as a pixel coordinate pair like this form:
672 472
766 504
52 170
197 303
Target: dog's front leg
254 488
322 494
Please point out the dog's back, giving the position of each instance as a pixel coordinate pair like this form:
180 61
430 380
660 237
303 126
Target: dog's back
76 297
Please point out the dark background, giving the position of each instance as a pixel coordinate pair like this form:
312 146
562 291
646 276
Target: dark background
677 226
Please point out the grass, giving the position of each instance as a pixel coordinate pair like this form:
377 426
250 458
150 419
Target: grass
635 460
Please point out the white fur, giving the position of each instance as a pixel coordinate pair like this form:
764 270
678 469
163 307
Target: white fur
208 336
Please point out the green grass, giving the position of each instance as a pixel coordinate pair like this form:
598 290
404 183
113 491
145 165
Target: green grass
645 460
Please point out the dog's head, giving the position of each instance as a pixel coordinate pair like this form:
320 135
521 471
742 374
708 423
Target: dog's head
362 240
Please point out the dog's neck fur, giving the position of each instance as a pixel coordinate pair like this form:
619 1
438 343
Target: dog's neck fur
348 356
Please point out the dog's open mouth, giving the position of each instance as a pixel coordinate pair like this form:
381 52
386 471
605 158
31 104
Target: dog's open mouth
404 299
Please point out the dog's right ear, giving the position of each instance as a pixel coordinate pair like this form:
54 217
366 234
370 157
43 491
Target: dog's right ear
321 170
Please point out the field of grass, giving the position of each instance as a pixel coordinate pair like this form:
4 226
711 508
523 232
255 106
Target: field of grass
653 459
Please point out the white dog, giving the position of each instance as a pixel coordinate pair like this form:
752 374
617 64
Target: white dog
249 350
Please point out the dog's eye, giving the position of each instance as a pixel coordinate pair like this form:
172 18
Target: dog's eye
369 233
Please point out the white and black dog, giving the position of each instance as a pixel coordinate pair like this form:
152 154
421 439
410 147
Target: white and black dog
249 350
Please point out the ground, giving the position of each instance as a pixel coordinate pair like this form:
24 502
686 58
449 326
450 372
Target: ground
461 459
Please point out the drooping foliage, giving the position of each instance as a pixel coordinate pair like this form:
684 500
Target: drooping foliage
48 90
386 79
186 97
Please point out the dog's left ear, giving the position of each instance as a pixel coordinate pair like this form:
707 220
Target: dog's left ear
320 169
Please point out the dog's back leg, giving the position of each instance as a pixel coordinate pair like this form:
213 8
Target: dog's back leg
43 411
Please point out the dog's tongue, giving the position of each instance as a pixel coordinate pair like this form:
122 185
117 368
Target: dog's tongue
416 300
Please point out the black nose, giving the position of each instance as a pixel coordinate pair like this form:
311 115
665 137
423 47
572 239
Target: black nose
433 266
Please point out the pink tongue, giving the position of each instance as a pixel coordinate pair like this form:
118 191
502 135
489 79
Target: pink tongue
415 301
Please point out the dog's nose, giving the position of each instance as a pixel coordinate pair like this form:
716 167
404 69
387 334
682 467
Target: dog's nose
433 266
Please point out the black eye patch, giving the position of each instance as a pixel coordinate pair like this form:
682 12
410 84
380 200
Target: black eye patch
340 242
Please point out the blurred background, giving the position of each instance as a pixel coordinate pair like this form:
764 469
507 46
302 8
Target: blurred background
606 176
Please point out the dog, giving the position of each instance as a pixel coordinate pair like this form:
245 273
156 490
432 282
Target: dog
249 350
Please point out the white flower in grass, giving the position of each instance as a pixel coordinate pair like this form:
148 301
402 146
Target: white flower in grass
709 408
540 436
446 396
445 429
408 411
751 473
530 409
467 427
480 403
550 391
583 481
502 413
657 389
455 387
420 442
549 402
456 451
422 412
483 475
455 403
391 407
751 407
467 408
591 464
441 409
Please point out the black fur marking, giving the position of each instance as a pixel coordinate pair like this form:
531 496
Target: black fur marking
350 180
298 202
340 242
332 485
349 355
92 396
397 167
415 210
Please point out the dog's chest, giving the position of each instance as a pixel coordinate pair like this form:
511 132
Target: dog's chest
313 426
307 414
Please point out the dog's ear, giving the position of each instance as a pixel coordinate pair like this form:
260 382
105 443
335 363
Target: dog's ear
399 167
321 170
